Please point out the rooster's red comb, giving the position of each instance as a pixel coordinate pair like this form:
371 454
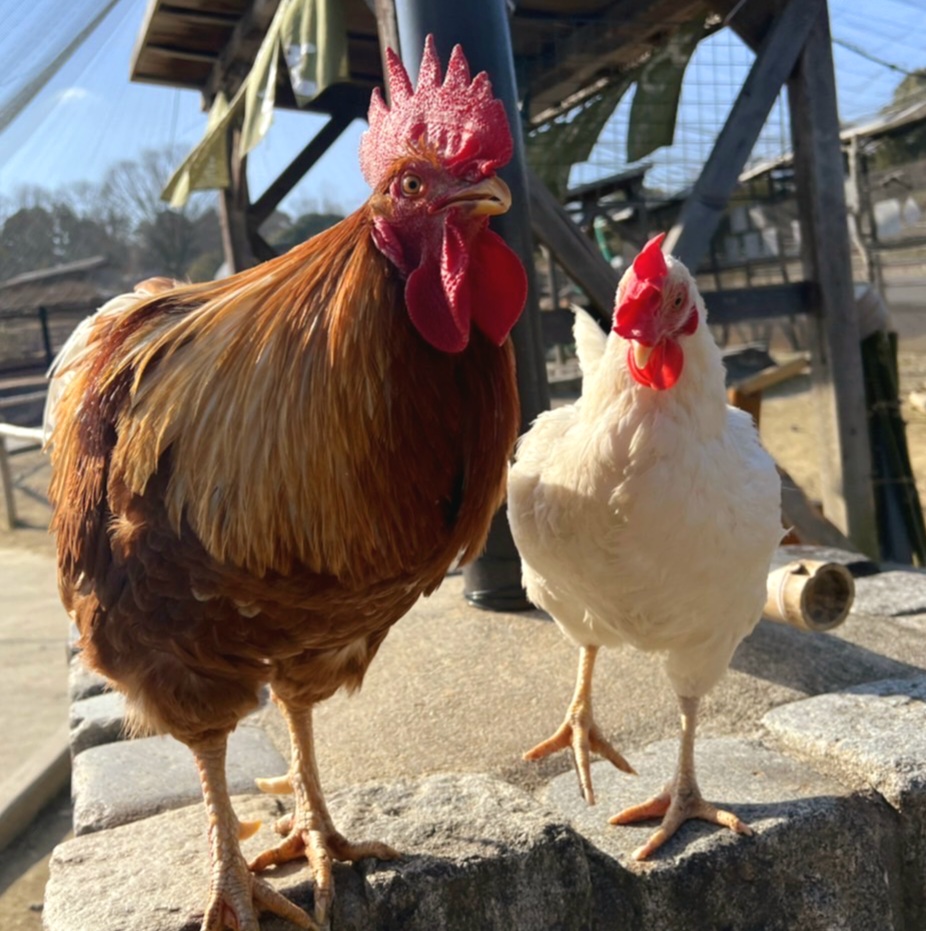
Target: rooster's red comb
459 119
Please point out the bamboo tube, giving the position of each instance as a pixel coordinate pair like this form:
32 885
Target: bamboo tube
809 595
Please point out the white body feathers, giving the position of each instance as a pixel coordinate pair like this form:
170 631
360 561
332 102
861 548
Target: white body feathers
648 517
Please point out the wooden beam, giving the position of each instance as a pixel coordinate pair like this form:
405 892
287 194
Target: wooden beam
236 58
809 525
183 54
737 305
204 17
300 165
838 382
598 45
750 21
690 237
577 254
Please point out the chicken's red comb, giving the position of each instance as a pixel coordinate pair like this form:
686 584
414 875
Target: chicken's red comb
640 293
459 119
650 264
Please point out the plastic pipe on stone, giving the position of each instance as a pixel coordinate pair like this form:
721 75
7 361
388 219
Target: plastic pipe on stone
809 595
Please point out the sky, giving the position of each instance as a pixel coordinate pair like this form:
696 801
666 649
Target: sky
90 115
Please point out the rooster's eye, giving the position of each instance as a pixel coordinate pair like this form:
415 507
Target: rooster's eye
412 186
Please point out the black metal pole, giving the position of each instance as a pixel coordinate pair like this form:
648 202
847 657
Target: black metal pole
493 581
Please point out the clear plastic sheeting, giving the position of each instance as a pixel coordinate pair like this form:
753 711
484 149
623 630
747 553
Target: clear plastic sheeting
37 38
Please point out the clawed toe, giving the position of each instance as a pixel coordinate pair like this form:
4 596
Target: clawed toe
675 808
237 896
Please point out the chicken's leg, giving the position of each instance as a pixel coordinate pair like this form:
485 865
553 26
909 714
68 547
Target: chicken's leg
235 895
681 801
580 732
310 831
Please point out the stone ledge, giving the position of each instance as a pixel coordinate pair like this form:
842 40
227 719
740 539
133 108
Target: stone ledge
821 857
478 853
829 851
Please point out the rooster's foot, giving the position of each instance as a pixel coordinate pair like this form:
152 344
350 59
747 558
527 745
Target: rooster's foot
675 807
236 896
314 837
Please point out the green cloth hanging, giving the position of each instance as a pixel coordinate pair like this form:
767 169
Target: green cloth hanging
312 35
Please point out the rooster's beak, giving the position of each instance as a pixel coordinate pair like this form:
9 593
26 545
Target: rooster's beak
485 198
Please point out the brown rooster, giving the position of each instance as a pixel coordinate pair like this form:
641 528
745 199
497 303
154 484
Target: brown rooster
253 479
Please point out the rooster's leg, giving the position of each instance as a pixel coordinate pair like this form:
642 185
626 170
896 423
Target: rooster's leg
580 732
235 895
681 801
310 831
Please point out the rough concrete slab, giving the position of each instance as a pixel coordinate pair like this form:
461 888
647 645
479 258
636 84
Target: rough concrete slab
821 858
116 783
861 650
477 853
97 720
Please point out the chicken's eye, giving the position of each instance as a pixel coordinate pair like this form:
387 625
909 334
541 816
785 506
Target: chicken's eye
412 186
679 297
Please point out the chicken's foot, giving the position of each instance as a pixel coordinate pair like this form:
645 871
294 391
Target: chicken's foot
235 894
309 831
580 732
681 801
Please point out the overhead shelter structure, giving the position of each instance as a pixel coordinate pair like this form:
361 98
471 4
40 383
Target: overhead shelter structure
572 62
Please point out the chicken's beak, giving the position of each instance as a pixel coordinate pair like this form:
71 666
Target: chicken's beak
641 353
489 198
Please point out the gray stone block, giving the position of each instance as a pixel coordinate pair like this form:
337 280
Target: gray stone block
821 858
82 683
116 783
97 720
869 735
895 593
873 737
477 853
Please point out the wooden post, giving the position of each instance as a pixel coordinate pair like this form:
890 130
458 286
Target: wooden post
233 210
838 383
6 480
46 336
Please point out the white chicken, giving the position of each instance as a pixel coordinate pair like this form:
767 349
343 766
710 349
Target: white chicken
647 514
